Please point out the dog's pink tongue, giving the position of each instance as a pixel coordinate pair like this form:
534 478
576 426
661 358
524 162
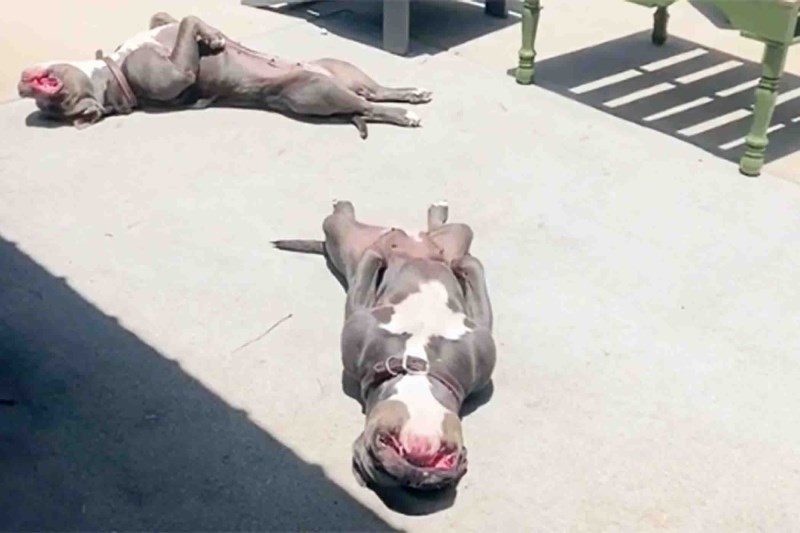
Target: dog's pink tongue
423 460
419 451
47 85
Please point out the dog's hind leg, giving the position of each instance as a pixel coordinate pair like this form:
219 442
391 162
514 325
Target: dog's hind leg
356 80
315 94
161 19
453 239
392 115
437 215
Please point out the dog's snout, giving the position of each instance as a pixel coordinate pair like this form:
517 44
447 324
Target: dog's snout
33 73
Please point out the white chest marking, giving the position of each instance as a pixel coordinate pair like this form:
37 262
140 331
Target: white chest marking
87 67
137 41
423 315
425 412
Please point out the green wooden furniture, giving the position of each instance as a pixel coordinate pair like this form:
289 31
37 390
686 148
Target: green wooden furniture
773 22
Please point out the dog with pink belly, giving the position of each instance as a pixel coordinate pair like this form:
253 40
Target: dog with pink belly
417 338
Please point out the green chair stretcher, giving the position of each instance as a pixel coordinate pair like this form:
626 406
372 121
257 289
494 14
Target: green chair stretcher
773 22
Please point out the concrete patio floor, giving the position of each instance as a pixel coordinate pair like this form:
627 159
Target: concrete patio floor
645 297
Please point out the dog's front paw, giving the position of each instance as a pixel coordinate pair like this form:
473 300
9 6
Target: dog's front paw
215 41
421 96
412 120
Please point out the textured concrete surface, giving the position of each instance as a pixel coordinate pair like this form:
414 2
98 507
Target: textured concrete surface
645 298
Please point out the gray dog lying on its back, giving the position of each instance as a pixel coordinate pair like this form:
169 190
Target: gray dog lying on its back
189 63
417 337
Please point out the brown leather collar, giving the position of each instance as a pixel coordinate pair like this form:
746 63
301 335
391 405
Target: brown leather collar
393 366
129 101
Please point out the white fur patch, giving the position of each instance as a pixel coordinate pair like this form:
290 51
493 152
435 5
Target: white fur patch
414 118
137 41
423 315
425 412
90 67
87 67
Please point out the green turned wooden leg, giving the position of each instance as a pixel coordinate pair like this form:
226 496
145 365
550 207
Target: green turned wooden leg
527 54
660 20
766 94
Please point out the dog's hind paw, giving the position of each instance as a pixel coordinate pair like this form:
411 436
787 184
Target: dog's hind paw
214 41
413 120
421 96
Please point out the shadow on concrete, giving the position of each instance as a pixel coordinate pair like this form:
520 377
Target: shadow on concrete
711 111
415 503
436 25
100 432
37 119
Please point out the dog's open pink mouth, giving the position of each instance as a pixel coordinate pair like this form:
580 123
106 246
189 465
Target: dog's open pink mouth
444 459
41 81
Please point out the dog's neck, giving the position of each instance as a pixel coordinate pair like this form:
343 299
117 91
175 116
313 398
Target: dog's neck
106 90
119 94
439 394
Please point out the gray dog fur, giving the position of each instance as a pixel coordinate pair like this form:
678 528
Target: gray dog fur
189 63
420 298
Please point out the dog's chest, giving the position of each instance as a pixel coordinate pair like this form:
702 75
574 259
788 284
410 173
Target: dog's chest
423 315
145 38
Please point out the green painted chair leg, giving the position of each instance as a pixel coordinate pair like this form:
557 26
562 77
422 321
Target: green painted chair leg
766 95
660 20
527 54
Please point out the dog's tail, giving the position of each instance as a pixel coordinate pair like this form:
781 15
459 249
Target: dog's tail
301 246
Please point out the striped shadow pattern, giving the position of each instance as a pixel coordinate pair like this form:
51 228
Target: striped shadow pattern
688 91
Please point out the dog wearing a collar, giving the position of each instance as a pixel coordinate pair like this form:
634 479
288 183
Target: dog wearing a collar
417 337
188 63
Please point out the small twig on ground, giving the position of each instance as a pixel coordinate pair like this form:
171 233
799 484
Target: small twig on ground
269 330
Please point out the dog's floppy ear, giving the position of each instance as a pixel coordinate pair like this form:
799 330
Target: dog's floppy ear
86 112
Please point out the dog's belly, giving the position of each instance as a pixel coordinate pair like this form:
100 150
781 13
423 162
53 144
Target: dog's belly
411 244
238 73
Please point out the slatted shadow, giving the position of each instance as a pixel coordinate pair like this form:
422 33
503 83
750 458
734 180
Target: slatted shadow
691 92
